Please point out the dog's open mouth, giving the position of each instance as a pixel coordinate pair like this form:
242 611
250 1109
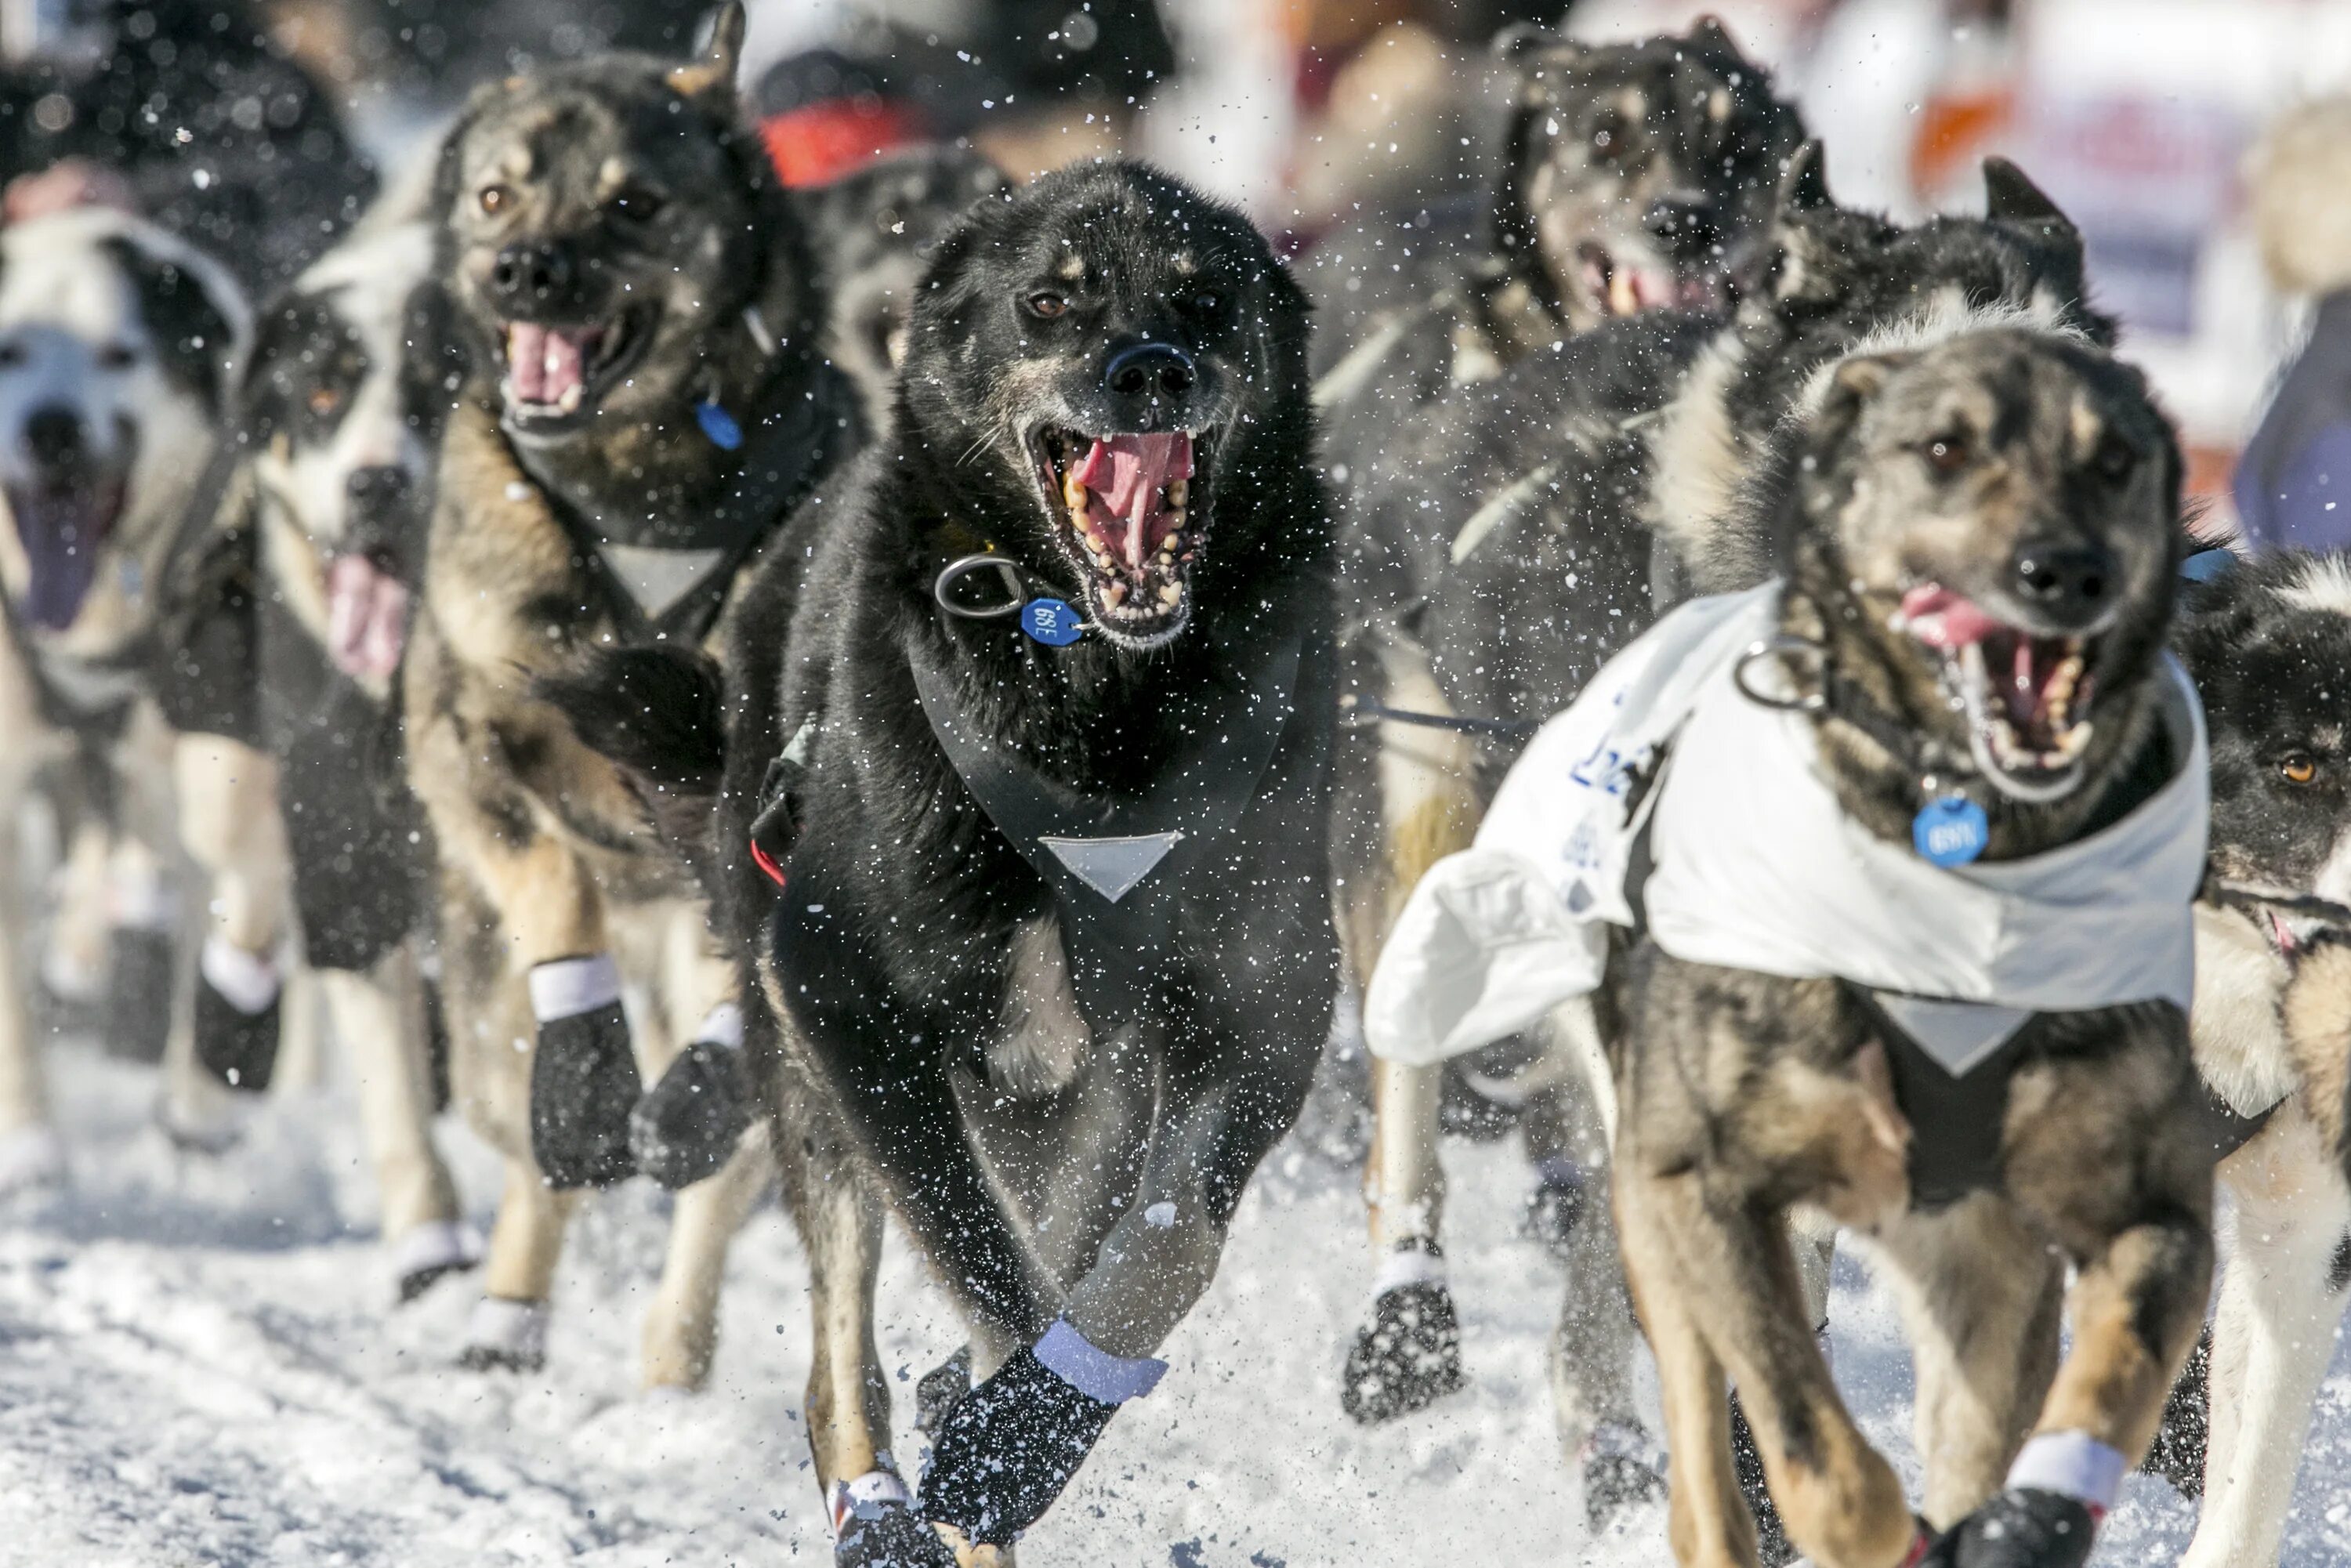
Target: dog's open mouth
554 372
1125 500
63 529
1618 287
2027 697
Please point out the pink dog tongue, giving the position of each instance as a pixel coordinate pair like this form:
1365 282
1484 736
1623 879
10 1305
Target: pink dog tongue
542 362
1127 473
1941 619
367 618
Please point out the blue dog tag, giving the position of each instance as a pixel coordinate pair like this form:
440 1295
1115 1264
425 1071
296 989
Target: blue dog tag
1950 831
719 426
1052 622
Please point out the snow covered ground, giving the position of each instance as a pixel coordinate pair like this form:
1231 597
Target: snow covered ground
198 1367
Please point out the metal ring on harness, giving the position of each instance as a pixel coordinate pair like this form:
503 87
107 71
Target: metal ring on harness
1779 646
957 570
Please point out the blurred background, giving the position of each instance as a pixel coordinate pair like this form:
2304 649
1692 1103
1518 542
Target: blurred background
2138 115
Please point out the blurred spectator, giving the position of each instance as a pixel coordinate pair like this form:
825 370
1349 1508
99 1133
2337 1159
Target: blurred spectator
2294 480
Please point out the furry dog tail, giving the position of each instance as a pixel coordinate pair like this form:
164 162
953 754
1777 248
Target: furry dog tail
2316 1011
658 714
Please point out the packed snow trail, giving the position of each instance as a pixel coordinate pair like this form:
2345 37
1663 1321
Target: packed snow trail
198 1365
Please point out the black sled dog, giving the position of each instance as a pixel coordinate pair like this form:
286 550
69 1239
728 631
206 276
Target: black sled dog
1054 940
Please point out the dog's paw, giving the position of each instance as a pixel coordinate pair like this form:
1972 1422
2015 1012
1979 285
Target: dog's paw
1407 1358
135 1015
426 1254
583 1085
1622 1468
686 1126
2022 1527
1554 1209
235 1044
890 1535
504 1335
941 1389
1007 1448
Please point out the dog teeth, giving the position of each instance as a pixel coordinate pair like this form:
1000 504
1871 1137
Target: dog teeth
1073 495
569 402
1179 492
1622 299
1114 593
1171 594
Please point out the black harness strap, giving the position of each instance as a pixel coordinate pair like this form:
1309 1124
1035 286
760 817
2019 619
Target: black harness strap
1359 710
1117 921
1956 1122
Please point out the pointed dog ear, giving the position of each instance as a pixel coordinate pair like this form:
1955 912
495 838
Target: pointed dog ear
1804 183
1853 385
2010 196
1709 29
715 71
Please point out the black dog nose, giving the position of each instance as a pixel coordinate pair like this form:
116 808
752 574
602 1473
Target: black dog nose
1684 228
54 436
531 272
1142 368
2069 581
377 487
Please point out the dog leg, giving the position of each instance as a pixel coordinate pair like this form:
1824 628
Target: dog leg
1007 1450
1980 1302
1706 1520
2273 1338
1729 1266
229 824
30 1155
682 1327
379 1019
509 1327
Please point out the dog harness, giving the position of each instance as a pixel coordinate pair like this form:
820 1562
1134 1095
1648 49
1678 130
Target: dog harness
1735 852
1117 863
667 577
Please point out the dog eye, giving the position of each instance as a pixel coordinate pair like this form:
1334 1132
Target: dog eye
117 357
325 401
1609 138
2298 768
1948 454
638 203
1208 302
494 197
11 355
2114 459
1045 304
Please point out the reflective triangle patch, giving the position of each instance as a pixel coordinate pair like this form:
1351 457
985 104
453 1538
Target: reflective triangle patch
657 579
1958 1035
1112 866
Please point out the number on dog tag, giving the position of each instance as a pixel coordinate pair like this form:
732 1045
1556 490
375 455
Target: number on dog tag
1950 831
719 426
1052 622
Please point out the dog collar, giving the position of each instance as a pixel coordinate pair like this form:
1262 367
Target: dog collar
1046 618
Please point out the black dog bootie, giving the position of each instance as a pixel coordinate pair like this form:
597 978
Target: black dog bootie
237 1016
2022 1527
1408 1358
135 1016
1007 1448
583 1076
687 1125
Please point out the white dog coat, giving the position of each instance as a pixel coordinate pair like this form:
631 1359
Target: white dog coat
1758 868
